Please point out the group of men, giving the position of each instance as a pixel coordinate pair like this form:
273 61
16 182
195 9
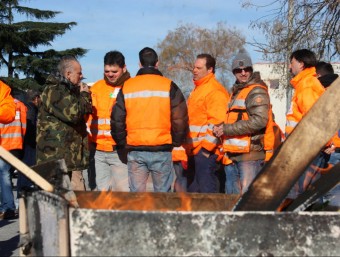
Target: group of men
132 127
18 137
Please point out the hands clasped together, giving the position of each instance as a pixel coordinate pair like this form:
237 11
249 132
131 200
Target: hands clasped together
218 130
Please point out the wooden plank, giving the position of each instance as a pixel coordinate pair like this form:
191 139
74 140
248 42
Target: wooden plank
278 176
319 188
27 171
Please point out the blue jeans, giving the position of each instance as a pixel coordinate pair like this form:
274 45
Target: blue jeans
239 175
142 163
111 173
309 176
333 196
7 198
181 181
205 179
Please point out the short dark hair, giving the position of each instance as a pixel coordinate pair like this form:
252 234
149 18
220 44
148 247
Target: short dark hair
210 61
148 57
306 56
324 68
114 58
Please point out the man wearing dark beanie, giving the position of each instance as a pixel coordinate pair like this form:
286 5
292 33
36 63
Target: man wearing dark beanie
248 136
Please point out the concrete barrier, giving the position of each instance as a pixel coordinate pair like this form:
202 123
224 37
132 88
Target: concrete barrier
56 229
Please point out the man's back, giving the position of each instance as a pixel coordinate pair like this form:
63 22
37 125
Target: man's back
148 120
147 101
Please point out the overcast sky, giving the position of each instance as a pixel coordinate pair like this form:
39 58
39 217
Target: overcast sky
130 25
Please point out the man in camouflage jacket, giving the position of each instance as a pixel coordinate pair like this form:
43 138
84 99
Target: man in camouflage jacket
61 128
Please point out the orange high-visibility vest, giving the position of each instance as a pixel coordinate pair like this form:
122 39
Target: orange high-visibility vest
237 111
7 105
12 134
206 108
279 135
179 154
98 123
226 160
148 110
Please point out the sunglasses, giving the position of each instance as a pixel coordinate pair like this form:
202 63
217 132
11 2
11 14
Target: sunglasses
247 69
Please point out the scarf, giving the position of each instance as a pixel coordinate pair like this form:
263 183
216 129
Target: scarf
120 81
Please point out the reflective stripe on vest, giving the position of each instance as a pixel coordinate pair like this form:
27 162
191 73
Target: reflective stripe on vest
195 136
148 111
12 134
146 94
179 154
237 111
100 121
98 124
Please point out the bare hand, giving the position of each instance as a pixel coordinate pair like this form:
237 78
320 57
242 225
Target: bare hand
83 87
218 130
330 149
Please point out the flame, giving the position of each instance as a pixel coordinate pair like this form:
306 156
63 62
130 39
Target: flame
146 201
151 201
185 202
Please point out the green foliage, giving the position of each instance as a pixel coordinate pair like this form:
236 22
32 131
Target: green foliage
23 84
19 43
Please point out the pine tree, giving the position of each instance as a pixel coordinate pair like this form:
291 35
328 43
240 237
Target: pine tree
19 42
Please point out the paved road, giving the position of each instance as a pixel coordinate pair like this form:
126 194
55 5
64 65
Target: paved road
9 234
9 237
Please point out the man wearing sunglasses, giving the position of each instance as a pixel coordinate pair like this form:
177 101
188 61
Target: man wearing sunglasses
247 132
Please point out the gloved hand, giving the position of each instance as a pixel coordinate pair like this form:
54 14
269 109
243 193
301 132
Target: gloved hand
122 154
184 165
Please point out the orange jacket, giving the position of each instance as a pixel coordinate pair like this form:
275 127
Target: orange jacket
206 107
12 134
148 112
98 123
179 154
307 91
279 135
237 111
7 105
336 140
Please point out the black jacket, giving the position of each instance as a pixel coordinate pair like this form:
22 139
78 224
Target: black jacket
179 118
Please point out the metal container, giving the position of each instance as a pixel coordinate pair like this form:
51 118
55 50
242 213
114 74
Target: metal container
170 224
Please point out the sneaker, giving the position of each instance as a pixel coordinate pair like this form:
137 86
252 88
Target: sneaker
9 214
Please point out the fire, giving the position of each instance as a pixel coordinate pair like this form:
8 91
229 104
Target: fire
151 201
145 201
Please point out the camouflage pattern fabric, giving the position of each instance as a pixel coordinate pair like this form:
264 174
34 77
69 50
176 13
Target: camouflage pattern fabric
61 128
